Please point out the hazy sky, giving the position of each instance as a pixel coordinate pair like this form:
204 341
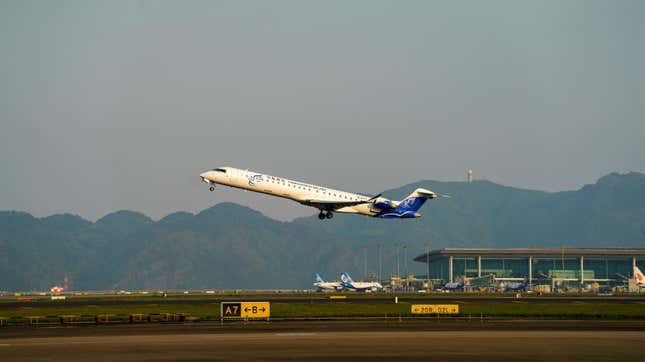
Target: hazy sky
108 105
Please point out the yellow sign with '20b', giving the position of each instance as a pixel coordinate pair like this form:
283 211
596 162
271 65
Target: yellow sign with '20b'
245 309
435 309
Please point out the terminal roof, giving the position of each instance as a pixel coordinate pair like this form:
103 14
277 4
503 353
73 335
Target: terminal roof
525 252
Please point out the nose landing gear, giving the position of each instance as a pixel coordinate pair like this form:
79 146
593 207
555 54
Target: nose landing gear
210 183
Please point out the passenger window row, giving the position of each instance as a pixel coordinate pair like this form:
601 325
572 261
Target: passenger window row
273 179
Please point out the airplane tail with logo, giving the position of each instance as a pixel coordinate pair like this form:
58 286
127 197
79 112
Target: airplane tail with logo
408 208
318 278
345 278
638 275
415 200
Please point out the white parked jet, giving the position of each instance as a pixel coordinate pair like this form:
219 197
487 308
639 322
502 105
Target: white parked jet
321 285
324 199
347 282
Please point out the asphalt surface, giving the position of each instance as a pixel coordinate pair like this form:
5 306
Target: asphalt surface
330 325
324 341
71 301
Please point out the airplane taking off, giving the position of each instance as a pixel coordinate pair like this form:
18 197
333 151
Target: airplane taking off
324 199
321 285
347 282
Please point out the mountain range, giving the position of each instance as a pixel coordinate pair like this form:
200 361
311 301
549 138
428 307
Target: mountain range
229 246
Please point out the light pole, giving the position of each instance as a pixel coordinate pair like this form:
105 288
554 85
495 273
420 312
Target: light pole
380 264
397 259
405 260
428 266
365 263
405 266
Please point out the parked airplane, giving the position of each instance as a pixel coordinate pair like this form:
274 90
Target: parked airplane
324 199
638 275
347 282
56 289
516 286
321 285
454 285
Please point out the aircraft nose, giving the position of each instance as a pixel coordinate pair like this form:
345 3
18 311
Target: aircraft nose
204 175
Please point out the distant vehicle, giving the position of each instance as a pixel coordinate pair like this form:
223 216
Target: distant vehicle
321 285
516 286
347 282
56 289
640 278
454 285
324 199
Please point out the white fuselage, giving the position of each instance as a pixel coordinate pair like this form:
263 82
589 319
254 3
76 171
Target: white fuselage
290 189
364 286
328 285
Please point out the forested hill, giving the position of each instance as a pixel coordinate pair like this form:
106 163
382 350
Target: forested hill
231 246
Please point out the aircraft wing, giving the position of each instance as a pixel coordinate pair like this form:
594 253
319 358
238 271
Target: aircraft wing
331 205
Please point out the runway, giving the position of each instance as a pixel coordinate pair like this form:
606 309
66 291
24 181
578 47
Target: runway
318 344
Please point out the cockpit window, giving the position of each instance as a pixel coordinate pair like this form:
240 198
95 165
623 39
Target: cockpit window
219 170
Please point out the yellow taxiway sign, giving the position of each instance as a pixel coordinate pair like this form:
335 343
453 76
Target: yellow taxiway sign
245 310
435 309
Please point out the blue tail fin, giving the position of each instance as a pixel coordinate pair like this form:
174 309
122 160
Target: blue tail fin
345 278
318 278
412 203
416 200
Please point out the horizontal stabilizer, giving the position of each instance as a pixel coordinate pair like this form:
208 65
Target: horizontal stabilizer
423 193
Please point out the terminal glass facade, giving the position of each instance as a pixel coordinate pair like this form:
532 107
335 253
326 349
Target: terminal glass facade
505 267
609 268
538 267
439 269
464 267
556 267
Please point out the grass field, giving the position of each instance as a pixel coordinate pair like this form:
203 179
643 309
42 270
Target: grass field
516 309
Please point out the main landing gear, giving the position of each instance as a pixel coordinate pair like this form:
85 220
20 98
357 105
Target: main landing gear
324 215
212 188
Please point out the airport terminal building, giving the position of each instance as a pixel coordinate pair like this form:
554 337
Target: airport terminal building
548 266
